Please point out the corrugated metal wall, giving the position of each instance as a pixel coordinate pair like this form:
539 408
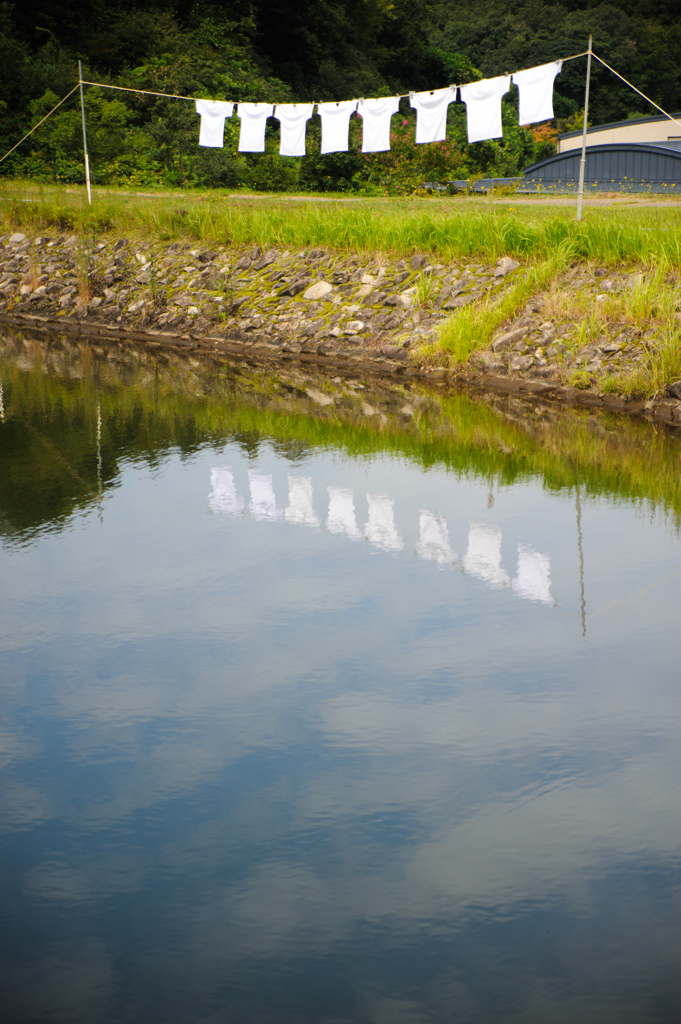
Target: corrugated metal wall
613 164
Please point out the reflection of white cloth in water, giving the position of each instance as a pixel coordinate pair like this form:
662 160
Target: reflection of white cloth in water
483 557
533 578
300 508
263 504
223 497
434 539
341 518
381 529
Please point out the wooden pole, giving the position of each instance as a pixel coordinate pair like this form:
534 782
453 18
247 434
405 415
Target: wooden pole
82 112
582 162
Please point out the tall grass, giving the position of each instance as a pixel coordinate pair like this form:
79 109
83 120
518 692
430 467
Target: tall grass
451 229
651 308
654 306
472 327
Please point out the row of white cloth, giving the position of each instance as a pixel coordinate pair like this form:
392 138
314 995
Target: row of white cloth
482 559
483 114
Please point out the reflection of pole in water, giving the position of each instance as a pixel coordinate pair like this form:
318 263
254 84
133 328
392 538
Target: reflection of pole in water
2 404
578 507
99 448
99 457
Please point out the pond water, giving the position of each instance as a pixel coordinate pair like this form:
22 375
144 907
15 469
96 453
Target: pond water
332 704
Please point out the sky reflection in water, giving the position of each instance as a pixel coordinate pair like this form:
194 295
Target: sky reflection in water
323 739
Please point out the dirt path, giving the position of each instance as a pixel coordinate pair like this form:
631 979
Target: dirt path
605 199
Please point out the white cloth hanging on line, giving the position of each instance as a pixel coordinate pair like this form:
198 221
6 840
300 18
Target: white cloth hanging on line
213 114
376 116
293 118
253 123
535 86
431 113
483 107
336 125
483 115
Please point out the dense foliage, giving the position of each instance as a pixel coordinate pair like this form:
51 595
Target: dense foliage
276 50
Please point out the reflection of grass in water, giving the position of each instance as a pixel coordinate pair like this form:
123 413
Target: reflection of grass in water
398 226
180 407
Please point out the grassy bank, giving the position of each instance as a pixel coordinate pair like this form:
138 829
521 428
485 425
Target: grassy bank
652 308
450 229
547 241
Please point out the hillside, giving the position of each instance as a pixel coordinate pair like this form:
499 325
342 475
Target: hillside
308 50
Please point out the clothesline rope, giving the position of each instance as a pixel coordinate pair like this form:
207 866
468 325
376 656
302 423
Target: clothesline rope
39 123
646 98
175 96
143 92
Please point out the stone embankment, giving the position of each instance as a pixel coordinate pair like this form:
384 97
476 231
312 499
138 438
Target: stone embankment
353 314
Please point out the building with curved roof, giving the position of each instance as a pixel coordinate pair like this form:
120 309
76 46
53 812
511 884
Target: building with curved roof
639 130
639 155
632 167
